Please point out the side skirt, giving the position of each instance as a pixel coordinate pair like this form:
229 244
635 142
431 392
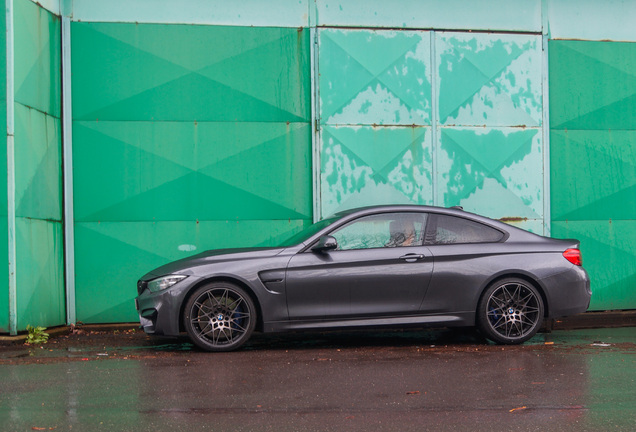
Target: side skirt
462 319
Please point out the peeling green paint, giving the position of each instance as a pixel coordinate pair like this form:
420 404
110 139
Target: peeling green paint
486 148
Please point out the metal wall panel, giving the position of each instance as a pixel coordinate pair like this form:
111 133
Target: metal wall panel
490 158
380 144
199 138
113 255
39 266
593 161
375 112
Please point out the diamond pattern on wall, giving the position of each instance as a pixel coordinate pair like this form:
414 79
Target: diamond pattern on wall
367 165
37 58
181 171
495 172
579 194
37 164
603 244
489 79
490 82
185 138
375 77
38 177
600 78
593 161
121 252
187 73
39 273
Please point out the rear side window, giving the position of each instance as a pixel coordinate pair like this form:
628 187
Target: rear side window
444 229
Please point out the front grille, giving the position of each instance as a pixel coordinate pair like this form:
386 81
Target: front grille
141 286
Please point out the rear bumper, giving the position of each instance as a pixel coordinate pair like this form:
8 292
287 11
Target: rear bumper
568 293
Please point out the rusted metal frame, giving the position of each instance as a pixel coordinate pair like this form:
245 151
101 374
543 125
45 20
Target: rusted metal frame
546 117
434 108
315 110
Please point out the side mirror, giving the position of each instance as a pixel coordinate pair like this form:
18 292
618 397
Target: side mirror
325 243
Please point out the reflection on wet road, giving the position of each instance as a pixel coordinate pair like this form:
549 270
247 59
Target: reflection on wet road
566 380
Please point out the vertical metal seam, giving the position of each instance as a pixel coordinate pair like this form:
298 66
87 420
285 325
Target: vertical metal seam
547 215
11 211
315 113
67 171
434 108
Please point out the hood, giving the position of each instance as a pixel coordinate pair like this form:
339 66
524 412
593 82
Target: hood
184 265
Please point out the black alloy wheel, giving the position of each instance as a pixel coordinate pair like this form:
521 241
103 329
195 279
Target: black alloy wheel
219 317
510 311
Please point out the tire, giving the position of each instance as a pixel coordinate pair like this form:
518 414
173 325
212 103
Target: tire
219 316
510 311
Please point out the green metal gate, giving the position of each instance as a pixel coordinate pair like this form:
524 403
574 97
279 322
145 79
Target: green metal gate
442 118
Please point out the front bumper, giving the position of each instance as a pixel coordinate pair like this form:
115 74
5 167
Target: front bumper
160 312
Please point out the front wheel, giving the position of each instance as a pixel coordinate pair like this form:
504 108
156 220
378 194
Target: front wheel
510 311
219 317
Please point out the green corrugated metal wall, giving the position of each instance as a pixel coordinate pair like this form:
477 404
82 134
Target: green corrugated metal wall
183 144
593 161
38 177
180 132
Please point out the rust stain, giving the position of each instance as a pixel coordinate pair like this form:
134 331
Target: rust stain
508 219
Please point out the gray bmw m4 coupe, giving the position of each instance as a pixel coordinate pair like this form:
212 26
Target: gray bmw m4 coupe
388 266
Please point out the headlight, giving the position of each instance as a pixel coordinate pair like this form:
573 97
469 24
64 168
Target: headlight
164 282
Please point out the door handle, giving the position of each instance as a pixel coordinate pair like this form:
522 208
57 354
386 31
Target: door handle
411 257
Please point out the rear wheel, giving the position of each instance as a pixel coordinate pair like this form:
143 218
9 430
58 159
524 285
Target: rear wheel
219 317
510 311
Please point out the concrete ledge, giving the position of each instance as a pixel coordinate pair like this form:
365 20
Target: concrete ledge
597 319
60 330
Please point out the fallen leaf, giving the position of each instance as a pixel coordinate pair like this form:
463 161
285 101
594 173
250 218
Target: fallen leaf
549 343
517 409
416 392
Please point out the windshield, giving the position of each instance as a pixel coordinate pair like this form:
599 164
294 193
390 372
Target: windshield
308 232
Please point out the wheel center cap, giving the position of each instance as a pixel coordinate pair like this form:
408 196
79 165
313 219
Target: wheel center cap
220 317
511 311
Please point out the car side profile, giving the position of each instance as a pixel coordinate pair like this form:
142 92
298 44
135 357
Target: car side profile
383 266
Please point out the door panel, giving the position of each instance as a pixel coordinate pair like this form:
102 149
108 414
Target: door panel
357 283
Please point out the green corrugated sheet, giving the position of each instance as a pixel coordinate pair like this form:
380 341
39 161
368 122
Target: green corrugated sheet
197 137
38 177
593 162
39 273
113 255
37 57
189 73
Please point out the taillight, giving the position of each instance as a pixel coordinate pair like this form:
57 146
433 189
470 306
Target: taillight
574 256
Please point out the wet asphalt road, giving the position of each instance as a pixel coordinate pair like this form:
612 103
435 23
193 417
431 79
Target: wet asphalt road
582 380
